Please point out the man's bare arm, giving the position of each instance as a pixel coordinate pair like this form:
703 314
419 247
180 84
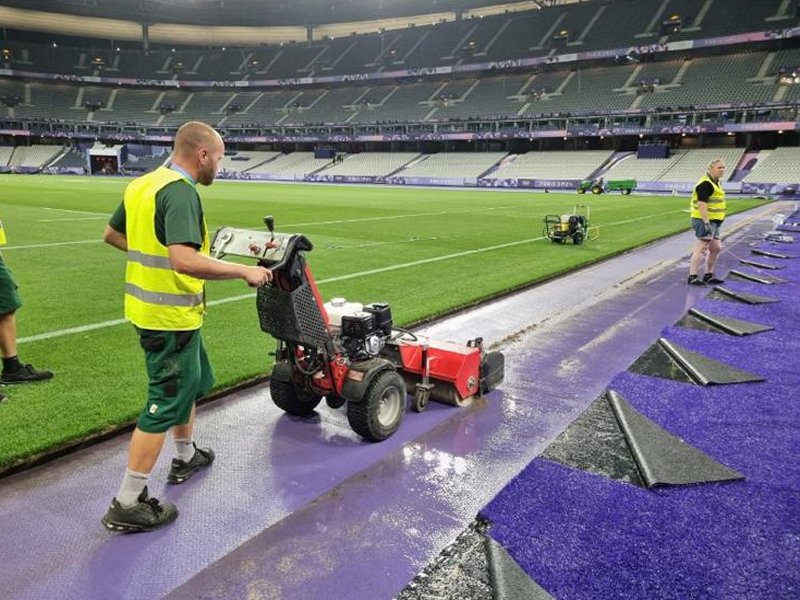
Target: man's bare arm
115 238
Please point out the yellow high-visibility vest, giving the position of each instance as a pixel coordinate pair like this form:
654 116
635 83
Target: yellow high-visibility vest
2 234
716 204
157 296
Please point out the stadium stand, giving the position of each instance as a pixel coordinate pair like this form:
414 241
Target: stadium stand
645 169
553 165
376 164
694 162
71 159
779 165
588 90
240 162
33 156
290 166
5 154
450 164
397 103
333 106
136 164
682 165
715 80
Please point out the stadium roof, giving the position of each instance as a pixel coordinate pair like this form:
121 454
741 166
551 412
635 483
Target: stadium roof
253 12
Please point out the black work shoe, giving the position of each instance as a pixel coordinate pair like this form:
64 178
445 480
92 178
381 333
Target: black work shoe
709 278
147 514
181 470
25 374
695 280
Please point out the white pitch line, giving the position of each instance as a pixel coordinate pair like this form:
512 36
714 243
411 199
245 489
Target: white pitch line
51 244
80 212
103 324
70 219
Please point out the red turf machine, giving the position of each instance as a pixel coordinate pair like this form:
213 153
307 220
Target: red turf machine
350 353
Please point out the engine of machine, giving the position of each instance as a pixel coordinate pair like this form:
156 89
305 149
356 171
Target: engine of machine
362 329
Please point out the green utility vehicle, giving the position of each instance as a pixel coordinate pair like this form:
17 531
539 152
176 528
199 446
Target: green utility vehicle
599 186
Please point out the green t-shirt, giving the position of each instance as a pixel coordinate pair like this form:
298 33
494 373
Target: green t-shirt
178 219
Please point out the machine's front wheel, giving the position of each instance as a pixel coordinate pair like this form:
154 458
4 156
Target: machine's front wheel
382 408
577 238
291 400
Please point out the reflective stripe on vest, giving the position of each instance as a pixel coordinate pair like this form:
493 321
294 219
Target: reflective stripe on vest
715 205
157 296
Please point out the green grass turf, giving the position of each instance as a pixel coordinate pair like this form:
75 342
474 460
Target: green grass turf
467 245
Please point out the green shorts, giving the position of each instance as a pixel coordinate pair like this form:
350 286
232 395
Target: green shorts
9 297
179 374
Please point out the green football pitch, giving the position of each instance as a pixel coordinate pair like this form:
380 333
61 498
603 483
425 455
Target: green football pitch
424 251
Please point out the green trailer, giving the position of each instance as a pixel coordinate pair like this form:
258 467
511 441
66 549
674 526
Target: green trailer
598 186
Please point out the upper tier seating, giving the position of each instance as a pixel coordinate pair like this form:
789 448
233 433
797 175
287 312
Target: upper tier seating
588 25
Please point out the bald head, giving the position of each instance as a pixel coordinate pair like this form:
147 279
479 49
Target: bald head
193 136
198 150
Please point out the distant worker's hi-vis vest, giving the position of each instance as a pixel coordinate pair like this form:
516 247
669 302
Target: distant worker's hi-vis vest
716 203
2 234
156 296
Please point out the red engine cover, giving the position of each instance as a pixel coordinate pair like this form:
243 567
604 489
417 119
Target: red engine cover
454 363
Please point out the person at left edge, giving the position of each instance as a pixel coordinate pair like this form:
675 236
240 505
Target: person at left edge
13 370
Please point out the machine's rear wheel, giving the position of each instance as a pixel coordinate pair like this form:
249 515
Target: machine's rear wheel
596 189
381 411
291 400
628 191
577 238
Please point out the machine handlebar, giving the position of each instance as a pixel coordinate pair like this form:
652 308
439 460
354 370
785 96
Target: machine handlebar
273 250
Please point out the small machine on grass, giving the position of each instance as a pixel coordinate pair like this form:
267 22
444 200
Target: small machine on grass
623 186
350 353
560 228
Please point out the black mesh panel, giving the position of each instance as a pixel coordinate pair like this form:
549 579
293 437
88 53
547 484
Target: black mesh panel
291 316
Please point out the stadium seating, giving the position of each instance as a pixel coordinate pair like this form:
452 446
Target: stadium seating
332 106
33 156
646 169
715 80
239 162
553 165
291 166
376 164
397 103
453 164
779 165
5 154
490 97
71 159
682 165
694 162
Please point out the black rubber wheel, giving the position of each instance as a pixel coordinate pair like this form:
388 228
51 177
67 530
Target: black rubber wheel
577 238
628 192
581 190
287 397
381 411
597 189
